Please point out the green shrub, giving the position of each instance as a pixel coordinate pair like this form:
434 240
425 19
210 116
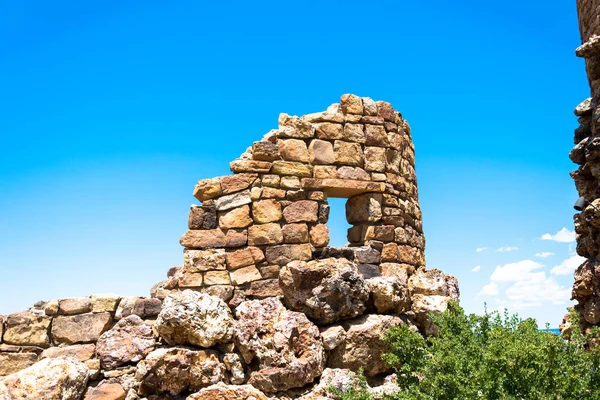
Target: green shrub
494 356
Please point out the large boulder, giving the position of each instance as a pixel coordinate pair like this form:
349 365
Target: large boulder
326 290
194 318
49 379
364 345
390 294
282 347
433 283
423 306
129 340
221 391
82 328
178 369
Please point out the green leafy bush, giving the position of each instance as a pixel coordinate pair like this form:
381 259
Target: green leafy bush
494 356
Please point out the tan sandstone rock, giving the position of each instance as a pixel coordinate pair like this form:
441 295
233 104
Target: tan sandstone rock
364 208
266 211
301 211
106 391
27 329
204 260
82 328
79 352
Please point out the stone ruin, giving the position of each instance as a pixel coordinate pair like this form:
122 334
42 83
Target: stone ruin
586 153
262 307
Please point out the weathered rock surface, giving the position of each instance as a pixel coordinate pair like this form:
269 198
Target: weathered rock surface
106 391
282 347
69 329
194 318
176 370
423 305
49 379
364 344
390 294
325 290
129 340
222 391
27 329
79 352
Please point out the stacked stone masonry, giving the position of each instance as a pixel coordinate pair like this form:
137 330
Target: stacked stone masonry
586 153
262 306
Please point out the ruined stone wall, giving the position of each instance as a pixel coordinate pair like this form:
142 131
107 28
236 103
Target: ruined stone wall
586 153
274 210
261 306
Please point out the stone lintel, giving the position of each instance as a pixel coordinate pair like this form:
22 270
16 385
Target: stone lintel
343 188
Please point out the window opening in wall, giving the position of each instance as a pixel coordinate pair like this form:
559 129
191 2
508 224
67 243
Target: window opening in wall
337 224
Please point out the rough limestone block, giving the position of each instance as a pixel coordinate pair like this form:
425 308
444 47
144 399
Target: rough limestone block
375 159
369 106
293 150
82 328
295 233
265 151
376 136
213 238
272 193
241 258
203 260
235 218
301 211
237 182
233 200
239 166
15 362
80 352
386 111
292 168
364 208
265 234
74 306
202 218
351 104
245 274
325 172
216 278
207 189
104 302
294 127
329 131
270 180
321 152
290 182
319 235
352 173
188 280
348 153
393 162
27 329
354 133
269 271
283 254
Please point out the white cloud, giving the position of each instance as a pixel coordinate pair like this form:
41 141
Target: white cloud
480 249
508 248
491 289
477 268
514 272
535 290
568 266
562 236
544 254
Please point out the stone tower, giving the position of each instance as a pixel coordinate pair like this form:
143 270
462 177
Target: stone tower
274 210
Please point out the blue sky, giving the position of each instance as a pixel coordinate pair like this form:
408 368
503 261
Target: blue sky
111 111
